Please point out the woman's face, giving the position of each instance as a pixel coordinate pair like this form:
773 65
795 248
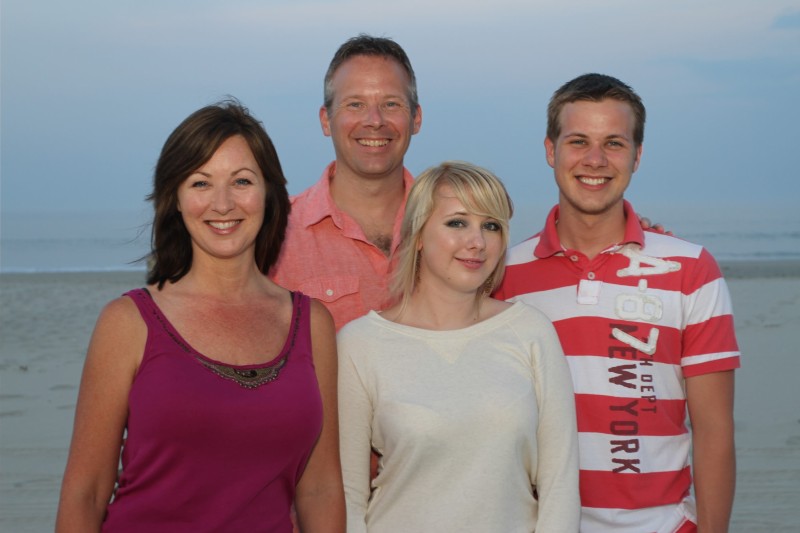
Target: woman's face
222 202
459 250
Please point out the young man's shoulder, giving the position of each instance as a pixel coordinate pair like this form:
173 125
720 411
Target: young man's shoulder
522 252
663 245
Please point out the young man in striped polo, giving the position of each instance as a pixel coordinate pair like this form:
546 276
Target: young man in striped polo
645 322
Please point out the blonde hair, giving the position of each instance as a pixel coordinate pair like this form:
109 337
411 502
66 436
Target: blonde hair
481 193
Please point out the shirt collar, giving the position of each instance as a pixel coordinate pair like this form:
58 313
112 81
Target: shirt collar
550 244
320 204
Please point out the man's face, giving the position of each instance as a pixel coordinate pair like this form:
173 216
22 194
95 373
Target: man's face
594 156
371 120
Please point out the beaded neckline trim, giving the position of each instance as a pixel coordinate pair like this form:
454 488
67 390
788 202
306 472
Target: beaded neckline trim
251 378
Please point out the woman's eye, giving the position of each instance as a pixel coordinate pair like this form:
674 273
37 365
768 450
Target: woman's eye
491 226
456 223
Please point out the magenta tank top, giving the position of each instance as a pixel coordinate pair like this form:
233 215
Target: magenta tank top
215 447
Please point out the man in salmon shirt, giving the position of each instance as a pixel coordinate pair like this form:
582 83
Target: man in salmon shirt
343 230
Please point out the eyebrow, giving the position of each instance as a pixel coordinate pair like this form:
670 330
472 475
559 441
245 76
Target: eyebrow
467 214
385 97
235 172
586 136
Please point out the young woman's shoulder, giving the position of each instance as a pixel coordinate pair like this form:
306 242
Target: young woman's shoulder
492 307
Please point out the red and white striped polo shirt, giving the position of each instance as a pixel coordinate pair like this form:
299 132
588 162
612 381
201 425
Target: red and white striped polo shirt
634 322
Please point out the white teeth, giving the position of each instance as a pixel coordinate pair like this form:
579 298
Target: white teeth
592 181
373 142
223 225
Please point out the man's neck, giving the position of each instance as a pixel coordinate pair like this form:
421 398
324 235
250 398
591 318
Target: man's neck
372 202
590 234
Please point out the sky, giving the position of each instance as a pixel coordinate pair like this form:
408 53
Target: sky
90 89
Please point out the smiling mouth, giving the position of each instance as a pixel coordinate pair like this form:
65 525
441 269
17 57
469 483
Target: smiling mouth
586 180
473 263
228 224
373 143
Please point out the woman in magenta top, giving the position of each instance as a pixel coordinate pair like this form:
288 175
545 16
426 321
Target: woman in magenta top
205 381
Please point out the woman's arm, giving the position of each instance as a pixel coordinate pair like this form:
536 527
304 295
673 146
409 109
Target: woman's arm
556 438
355 425
320 497
114 354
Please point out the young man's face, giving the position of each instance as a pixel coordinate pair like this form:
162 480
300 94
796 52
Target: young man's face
594 156
371 120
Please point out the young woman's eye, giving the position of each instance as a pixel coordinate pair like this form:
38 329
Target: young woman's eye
492 226
456 223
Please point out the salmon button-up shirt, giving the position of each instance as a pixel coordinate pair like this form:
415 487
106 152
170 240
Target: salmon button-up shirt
327 256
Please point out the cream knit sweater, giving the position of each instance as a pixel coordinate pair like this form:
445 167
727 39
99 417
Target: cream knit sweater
468 423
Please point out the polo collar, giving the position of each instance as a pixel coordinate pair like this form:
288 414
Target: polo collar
550 244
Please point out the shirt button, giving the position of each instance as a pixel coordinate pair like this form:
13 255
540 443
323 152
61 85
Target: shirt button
329 292
573 258
590 275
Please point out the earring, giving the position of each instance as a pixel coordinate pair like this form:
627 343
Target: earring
488 285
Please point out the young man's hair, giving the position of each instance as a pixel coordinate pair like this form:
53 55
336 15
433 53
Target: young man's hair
594 88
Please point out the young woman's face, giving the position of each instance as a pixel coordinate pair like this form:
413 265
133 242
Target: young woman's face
459 250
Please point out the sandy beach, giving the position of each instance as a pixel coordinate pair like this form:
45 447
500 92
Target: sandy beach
46 321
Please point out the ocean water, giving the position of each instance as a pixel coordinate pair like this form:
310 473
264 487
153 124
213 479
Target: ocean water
730 233
115 242
71 255
97 242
